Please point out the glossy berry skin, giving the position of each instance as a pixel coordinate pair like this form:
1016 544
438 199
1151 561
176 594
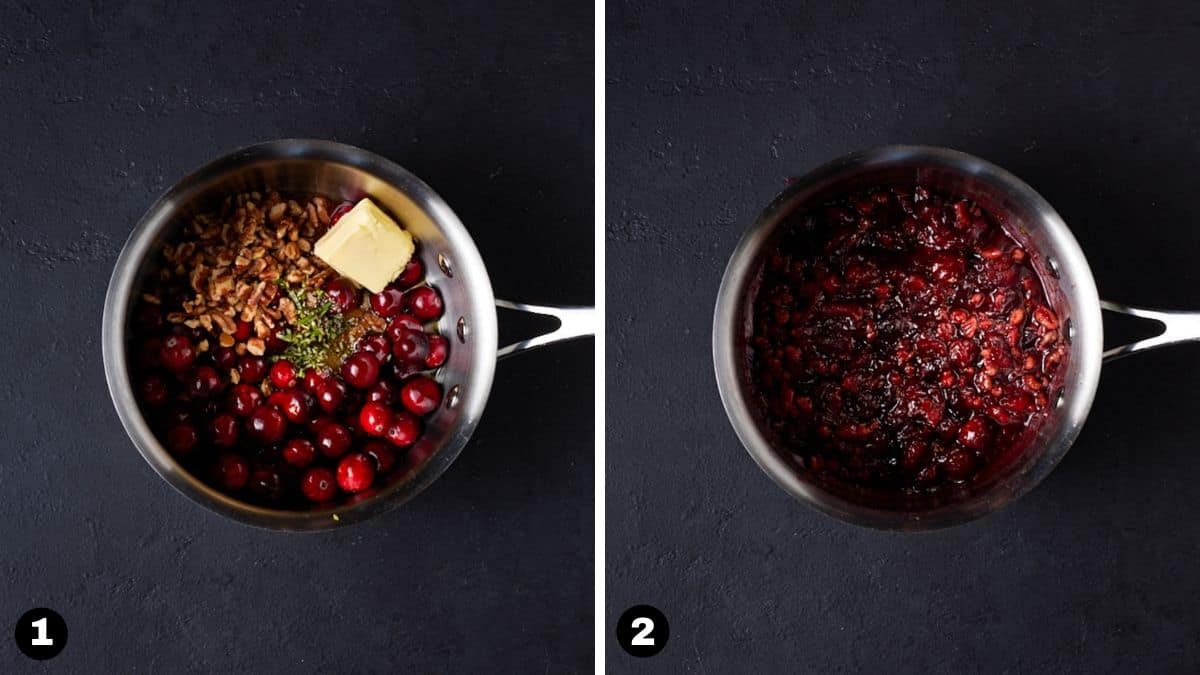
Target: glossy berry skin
388 302
243 399
383 392
313 381
177 353
330 395
439 351
411 275
293 403
283 374
424 302
356 472
341 210
377 344
411 347
319 485
404 429
421 395
342 293
155 391
401 324
299 452
333 440
274 343
252 369
375 418
203 383
266 425
383 454
182 438
266 483
243 331
232 472
223 430
225 359
361 370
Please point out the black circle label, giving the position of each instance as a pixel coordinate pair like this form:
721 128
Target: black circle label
643 631
41 634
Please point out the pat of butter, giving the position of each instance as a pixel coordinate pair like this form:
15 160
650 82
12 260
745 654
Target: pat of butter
367 246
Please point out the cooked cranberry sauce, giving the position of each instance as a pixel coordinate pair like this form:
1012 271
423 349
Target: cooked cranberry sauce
901 342
242 415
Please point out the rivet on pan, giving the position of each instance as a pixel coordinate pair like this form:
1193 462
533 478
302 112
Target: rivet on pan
462 329
1053 265
1069 333
452 397
444 263
1060 398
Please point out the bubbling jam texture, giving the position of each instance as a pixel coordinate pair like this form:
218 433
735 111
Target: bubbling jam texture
901 342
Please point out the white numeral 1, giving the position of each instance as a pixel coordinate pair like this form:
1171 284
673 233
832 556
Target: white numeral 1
41 640
642 639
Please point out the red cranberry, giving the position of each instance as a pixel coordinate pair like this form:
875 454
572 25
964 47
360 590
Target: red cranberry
223 429
388 302
283 374
411 275
154 390
252 369
376 343
293 403
299 452
330 395
274 341
411 347
232 472
341 210
313 381
243 332
319 485
177 353
266 483
225 359
959 464
421 395
404 429
375 418
266 425
383 392
356 472
424 302
401 324
333 440
360 370
974 433
342 294
243 399
182 438
204 382
439 351
382 453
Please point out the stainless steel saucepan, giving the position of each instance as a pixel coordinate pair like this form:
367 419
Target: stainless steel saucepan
1056 257
452 264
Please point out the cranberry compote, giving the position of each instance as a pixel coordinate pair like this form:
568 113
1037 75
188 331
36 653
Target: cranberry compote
901 341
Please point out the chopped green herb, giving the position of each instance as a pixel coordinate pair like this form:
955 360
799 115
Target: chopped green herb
316 331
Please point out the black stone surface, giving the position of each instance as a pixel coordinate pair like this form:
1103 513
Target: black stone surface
103 106
711 108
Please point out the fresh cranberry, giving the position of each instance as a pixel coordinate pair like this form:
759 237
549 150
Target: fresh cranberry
177 353
299 452
313 381
223 429
333 440
225 359
274 341
439 350
266 425
383 392
388 302
360 370
411 275
404 429
330 395
266 483
243 332
421 395
411 347
382 453
401 324
376 343
243 399
424 302
319 485
356 472
283 374
204 382
232 472
974 433
252 369
155 391
293 403
341 210
375 418
342 294
958 465
182 438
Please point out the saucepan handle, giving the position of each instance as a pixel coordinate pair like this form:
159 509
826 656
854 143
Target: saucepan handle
574 322
1178 327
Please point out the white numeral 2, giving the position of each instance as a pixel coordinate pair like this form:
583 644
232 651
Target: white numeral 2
41 640
642 639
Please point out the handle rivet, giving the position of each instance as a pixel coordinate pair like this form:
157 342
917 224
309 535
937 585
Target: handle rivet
1060 398
462 329
1070 330
444 263
452 397
1052 264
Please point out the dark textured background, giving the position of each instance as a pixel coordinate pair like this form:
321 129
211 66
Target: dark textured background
102 107
710 109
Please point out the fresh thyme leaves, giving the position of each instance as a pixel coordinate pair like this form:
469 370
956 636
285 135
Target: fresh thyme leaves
315 332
